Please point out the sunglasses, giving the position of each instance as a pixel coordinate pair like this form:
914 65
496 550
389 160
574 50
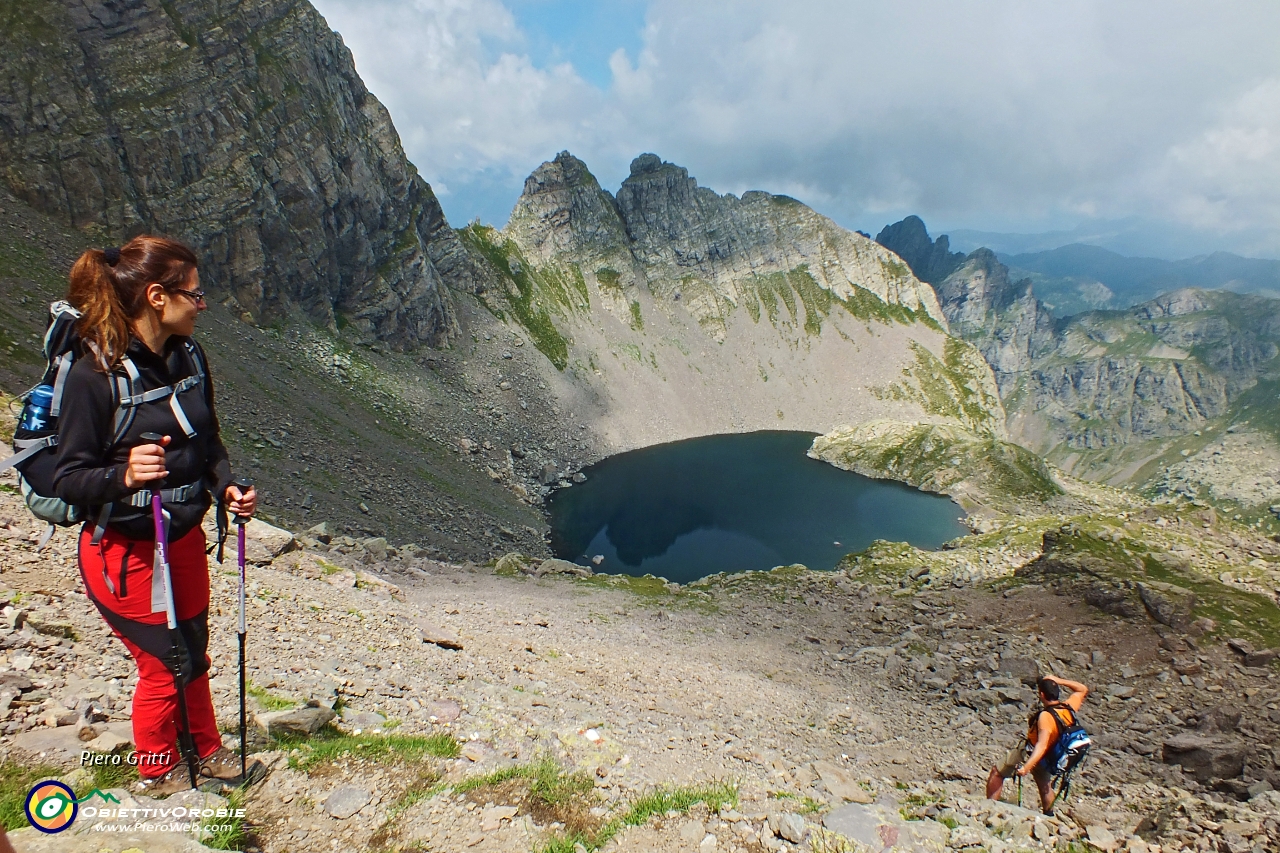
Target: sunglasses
196 296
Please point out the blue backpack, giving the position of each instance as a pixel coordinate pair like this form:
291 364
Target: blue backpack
1073 741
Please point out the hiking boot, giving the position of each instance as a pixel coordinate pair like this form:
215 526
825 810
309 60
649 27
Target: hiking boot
224 767
176 780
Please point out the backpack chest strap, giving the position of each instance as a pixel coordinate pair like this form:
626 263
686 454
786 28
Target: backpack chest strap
181 494
126 400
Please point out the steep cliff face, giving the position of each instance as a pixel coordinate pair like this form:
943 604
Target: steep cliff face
676 311
241 128
999 316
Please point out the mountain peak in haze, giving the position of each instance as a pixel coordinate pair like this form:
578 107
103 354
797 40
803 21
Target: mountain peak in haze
930 260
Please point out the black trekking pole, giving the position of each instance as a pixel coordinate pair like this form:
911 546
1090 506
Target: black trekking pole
240 521
186 745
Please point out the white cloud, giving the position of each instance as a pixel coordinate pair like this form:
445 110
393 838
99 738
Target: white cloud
1001 114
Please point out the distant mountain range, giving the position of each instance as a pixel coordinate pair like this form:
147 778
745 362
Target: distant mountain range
1079 277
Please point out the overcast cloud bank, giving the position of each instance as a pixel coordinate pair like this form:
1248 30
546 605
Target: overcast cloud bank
1000 116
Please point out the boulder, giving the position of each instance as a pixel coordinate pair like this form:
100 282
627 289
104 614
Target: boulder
1262 657
1224 718
561 567
1024 669
263 542
376 547
1204 757
1168 604
513 563
882 828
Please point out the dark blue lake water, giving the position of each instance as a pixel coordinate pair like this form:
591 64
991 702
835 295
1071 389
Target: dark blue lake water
732 503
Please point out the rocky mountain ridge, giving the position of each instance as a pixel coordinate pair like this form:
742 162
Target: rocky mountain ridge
1124 395
242 129
680 312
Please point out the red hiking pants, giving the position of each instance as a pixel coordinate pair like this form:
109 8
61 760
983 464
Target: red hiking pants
117 575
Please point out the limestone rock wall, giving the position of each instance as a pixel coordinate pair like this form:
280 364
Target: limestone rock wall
241 127
683 241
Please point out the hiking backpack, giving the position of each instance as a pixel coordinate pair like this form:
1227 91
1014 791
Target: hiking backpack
1071 747
35 441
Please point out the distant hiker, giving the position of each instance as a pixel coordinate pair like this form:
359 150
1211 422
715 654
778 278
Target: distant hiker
139 371
1039 751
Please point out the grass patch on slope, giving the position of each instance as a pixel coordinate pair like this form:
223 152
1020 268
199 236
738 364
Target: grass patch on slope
331 744
531 293
941 458
15 781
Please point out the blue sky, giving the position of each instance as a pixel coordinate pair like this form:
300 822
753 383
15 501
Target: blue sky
580 32
1000 116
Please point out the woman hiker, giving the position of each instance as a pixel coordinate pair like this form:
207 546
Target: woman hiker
139 305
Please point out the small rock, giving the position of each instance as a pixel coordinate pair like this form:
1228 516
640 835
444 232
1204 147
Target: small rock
840 783
376 546
363 720
492 818
791 827
320 533
1102 838
1168 604
51 625
692 831
444 710
107 742
1243 647
346 801
554 566
438 636
475 750
299 722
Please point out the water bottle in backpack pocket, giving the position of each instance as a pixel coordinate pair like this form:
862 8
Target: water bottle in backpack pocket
35 414
35 441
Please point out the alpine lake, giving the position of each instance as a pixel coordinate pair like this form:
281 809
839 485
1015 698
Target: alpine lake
733 503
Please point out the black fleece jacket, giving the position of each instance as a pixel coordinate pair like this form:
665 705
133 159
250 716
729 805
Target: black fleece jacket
90 474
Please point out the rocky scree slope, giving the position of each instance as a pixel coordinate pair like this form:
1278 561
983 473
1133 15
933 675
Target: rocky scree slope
682 312
1122 395
837 702
242 129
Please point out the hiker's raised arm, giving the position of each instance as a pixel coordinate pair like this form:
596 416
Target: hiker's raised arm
1074 686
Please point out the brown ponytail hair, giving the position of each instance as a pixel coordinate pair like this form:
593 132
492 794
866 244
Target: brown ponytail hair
109 289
